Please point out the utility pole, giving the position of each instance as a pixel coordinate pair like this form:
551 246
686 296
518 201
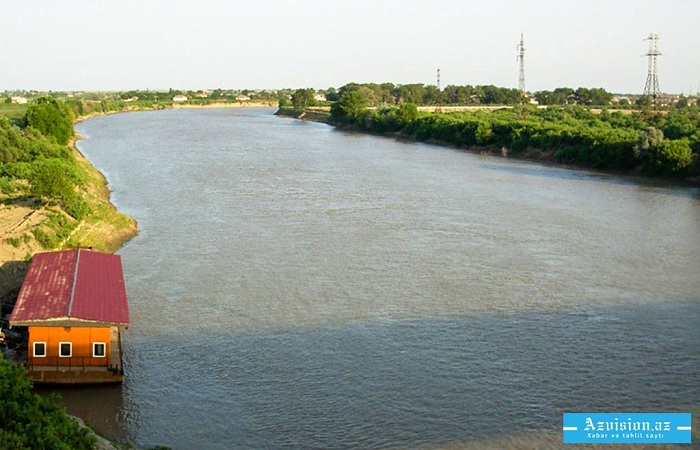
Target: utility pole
651 88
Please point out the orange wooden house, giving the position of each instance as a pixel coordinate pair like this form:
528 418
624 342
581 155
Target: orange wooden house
74 305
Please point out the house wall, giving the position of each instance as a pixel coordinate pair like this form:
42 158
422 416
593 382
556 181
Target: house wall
81 338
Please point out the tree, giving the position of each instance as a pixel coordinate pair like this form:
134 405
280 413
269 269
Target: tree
411 93
595 96
51 178
660 156
349 107
562 96
302 99
407 113
51 118
484 134
670 158
28 420
649 138
283 101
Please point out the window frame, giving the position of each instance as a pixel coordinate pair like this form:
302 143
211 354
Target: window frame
104 349
34 354
60 349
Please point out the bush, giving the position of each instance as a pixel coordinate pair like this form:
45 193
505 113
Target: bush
6 186
50 118
76 207
30 421
669 158
51 178
45 240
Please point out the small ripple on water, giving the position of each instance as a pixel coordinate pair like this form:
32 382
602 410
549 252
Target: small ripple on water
446 296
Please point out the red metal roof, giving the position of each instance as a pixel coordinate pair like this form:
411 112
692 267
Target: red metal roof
75 286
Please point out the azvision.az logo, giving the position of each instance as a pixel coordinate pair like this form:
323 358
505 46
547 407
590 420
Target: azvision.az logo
627 428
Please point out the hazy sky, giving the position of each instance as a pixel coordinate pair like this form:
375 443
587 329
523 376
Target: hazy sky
237 44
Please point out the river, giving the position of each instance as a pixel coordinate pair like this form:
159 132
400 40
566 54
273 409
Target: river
296 286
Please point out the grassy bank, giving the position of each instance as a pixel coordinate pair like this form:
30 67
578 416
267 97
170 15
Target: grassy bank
51 198
311 114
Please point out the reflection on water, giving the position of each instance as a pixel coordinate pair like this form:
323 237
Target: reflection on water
294 287
99 405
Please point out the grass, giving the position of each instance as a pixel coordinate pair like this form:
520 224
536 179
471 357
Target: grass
12 111
105 228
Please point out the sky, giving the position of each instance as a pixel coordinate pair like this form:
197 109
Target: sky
99 45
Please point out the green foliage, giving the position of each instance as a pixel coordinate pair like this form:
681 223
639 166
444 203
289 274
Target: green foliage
26 145
483 134
76 207
45 239
52 178
51 118
349 107
30 421
668 158
571 134
580 96
283 102
302 99
10 137
13 241
648 139
406 113
6 186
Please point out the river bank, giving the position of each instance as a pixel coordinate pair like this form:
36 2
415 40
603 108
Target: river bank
548 156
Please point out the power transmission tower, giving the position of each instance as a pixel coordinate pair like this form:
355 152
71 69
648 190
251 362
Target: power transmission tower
438 100
521 64
521 77
651 88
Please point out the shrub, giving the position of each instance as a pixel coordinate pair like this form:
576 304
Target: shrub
6 186
670 158
51 178
28 420
45 239
76 207
50 118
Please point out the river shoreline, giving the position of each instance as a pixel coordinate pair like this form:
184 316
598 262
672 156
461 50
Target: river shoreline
545 157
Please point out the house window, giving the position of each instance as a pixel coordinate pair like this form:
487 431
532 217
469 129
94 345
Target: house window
65 349
40 349
98 349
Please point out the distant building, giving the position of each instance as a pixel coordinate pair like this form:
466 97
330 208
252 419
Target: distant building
180 98
320 97
19 100
242 98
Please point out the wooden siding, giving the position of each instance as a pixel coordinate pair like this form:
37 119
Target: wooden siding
81 339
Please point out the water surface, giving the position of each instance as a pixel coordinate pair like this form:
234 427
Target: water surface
295 286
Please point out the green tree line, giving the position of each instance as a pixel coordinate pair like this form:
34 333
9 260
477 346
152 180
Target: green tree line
665 144
383 94
33 150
